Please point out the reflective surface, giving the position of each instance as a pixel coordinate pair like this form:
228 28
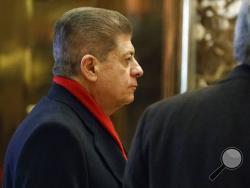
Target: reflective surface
213 38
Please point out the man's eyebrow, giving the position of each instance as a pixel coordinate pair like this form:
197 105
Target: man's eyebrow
130 52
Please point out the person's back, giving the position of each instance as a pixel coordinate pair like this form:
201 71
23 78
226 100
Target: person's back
182 142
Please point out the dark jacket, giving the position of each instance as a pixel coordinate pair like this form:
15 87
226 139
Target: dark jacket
179 141
61 145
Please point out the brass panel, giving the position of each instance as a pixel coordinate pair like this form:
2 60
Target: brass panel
172 14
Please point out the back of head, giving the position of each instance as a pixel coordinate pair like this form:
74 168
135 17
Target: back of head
85 30
242 34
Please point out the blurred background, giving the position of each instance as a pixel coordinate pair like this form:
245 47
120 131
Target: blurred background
182 46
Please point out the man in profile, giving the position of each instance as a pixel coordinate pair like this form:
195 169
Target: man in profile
199 139
68 140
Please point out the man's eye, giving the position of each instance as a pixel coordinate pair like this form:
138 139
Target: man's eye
129 59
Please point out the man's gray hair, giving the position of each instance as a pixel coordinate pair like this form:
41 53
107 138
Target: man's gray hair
242 34
85 30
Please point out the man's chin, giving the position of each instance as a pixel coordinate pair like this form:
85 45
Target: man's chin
124 102
129 100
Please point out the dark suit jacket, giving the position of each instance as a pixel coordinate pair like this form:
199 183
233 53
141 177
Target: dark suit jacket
180 140
61 145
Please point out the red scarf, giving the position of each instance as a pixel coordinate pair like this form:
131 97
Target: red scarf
85 99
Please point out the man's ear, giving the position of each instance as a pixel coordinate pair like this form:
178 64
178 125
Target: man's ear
88 64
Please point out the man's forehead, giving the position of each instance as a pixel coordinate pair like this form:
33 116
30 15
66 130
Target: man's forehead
124 44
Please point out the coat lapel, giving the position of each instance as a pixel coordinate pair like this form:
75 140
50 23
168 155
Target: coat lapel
104 144
110 153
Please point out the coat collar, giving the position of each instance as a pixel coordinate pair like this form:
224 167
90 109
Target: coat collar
103 142
78 91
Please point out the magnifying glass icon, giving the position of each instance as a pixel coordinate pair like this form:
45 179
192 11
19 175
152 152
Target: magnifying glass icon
231 159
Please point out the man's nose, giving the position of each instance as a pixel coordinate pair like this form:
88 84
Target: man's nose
136 70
